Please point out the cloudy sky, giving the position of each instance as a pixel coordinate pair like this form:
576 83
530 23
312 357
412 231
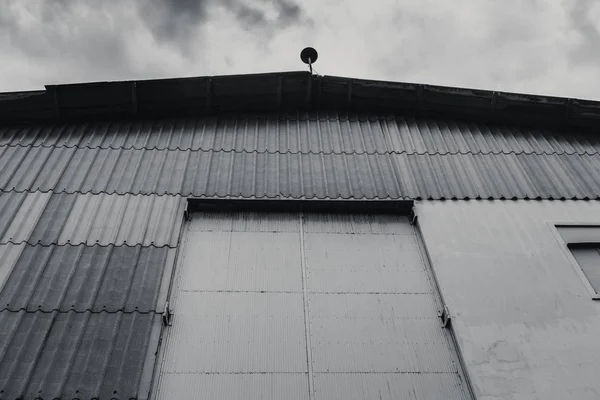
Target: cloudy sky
549 47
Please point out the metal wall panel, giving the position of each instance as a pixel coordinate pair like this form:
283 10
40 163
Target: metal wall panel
304 133
343 296
229 332
359 263
243 261
245 222
388 386
46 218
250 175
374 333
234 386
523 317
74 355
80 278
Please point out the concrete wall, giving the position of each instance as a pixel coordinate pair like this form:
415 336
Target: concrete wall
525 323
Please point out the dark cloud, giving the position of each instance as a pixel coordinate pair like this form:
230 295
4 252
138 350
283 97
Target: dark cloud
583 19
176 21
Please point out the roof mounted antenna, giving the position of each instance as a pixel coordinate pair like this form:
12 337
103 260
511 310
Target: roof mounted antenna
308 56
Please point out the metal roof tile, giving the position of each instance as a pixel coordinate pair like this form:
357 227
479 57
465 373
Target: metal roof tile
103 219
305 133
75 355
82 278
245 175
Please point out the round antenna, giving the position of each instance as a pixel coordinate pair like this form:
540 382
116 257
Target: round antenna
308 56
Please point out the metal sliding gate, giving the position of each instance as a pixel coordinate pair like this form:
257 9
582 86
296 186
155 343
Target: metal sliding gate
292 305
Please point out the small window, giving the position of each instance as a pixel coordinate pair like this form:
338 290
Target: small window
583 241
588 258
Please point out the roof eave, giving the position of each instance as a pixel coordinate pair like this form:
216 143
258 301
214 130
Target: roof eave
289 91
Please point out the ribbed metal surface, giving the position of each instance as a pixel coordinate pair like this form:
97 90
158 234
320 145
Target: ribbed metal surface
373 333
81 278
243 261
74 355
260 303
234 386
236 333
312 133
388 386
226 174
364 263
245 222
9 254
46 218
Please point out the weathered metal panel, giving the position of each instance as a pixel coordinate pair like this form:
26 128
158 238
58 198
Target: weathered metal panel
304 133
524 320
294 175
356 223
388 386
272 386
46 218
245 222
359 263
236 333
346 295
81 278
74 355
243 261
370 333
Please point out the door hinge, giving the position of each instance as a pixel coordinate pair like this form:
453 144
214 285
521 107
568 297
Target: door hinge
167 315
413 216
444 315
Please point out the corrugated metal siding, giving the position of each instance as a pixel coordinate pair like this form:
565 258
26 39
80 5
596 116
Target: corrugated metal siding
46 218
268 299
312 133
81 278
74 355
248 175
522 315
329 156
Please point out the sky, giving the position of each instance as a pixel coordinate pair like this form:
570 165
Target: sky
546 47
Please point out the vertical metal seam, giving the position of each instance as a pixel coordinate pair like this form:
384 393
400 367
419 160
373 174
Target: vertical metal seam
311 390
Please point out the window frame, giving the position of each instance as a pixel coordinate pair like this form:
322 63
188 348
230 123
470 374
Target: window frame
564 246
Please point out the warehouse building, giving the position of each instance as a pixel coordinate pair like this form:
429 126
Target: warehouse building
296 236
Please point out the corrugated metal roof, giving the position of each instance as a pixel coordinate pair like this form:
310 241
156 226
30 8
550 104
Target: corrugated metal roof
46 218
70 355
312 133
249 175
81 278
